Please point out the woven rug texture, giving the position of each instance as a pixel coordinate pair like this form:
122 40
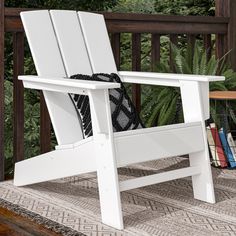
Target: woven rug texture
72 204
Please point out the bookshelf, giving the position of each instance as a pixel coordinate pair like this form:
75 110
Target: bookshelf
220 135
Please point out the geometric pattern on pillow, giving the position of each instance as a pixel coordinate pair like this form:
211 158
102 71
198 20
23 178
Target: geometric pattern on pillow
123 112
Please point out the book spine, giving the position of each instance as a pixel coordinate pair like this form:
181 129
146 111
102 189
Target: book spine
226 148
215 135
212 147
232 145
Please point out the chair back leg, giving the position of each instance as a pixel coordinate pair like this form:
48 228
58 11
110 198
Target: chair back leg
193 97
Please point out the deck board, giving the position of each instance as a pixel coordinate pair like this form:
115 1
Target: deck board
14 225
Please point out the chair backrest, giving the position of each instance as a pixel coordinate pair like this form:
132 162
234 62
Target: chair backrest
64 43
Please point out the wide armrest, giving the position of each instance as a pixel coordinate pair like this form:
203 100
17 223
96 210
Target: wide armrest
167 79
64 85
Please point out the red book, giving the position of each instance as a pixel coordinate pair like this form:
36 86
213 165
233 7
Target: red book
219 148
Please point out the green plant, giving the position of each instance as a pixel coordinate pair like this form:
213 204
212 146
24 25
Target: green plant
185 7
31 127
141 6
162 105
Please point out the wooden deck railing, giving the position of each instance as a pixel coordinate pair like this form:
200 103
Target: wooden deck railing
223 26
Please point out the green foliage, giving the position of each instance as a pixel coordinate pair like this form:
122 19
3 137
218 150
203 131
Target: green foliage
185 7
162 105
174 7
89 5
135 6
31 126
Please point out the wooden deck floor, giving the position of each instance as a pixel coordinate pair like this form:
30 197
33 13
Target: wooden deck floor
12 224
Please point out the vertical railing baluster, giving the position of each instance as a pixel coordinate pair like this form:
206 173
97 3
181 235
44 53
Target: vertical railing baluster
115 44
222 9
2 156
207 45
45 126
173 40
221 45
155 50
191 40
136 66
18 97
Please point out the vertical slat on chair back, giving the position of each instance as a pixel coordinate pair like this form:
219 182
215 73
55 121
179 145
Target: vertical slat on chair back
48 61
97 42
71 42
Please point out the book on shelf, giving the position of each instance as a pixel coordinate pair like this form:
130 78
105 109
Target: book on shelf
219 148
231 144
226 147
212 147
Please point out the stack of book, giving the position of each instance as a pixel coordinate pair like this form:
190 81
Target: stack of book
222 147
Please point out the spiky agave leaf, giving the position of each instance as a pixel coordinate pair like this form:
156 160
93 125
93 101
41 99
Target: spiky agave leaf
212 66
155 113
196 59
203 64
168 112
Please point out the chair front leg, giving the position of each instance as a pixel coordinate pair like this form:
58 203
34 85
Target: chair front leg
194 94
109 191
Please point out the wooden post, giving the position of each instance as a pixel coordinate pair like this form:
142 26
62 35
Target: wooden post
18 97
2 158
207 45
223 44
115 44
155 51
173 40
45 126
136 66
232 33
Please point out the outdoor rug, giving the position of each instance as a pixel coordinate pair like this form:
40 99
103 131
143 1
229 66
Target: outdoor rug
71 205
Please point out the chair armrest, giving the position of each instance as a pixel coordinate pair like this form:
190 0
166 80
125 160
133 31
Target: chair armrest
166 79
191 82
64 85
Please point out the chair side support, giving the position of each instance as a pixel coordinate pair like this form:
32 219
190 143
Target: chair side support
194 94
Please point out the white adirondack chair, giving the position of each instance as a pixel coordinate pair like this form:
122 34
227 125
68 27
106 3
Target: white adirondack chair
64 43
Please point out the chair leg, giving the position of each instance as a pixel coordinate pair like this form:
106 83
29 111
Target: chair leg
109 192
195 99
203 188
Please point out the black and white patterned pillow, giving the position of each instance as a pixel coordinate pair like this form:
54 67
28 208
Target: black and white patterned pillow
123 112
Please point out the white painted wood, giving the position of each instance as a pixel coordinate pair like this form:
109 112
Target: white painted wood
97 42
48 62
159 178
204 88
192 99
124 146
43 43
71 42
109 192
74 145
135 75
70 83
56 164
150 81
156 143
54 88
